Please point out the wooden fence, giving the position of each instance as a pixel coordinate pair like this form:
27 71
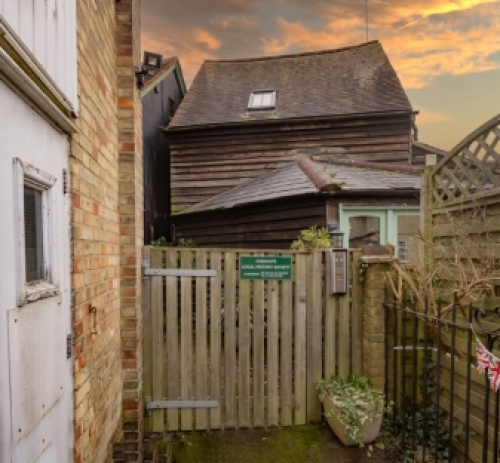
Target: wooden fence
230 353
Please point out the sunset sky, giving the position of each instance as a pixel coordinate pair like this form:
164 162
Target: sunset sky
446 53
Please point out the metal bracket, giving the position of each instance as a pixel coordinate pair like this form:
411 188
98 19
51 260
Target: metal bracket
70 342
175 272
165 404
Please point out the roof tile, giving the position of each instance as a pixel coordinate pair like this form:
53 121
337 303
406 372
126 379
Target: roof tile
351 80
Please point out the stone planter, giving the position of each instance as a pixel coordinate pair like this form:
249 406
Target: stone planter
369 431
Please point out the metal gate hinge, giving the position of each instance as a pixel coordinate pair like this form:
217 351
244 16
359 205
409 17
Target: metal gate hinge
145 267
165 404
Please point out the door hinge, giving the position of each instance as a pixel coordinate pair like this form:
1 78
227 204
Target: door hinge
70 342
65 181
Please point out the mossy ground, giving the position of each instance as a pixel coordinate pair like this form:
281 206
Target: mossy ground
305 444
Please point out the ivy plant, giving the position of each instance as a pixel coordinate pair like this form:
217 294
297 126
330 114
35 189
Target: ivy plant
431 424
356 399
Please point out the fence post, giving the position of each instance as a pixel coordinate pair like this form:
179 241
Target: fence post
373 318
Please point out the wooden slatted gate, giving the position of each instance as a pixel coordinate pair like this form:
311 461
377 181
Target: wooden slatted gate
252 348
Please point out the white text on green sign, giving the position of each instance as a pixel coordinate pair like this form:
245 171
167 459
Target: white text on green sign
265 268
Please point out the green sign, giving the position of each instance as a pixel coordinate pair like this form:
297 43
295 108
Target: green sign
265 268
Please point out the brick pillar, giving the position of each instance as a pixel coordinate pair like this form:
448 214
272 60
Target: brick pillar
373 318
131 224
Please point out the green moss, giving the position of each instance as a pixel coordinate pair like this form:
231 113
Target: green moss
285 445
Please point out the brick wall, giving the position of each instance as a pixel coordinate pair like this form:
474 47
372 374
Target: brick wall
106 187
373 318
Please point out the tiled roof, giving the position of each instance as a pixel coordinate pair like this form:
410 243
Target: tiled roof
306 176
352 80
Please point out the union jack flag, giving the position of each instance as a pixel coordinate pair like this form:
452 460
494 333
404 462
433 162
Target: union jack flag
483 357
494 374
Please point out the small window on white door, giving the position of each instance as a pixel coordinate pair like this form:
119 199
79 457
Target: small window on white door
34 200
33 234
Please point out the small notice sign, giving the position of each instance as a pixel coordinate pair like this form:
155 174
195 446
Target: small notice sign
265 268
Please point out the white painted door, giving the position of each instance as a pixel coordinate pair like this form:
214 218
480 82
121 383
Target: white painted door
35 318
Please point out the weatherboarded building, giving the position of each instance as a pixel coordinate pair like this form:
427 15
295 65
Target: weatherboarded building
242 118
161 96
372 203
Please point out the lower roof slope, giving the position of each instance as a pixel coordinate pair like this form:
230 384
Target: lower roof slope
315 174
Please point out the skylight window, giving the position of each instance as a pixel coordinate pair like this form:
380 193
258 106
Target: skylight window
262 99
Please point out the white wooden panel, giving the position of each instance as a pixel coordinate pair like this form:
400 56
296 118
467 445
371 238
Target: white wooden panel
40 30
50 58
10 12
48 29
27 23
37 361
33 347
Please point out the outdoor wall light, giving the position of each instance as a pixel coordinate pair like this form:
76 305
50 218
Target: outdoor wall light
337 236
152 64
338 277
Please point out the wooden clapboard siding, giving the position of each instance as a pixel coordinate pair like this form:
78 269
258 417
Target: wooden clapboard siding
208 161
274 225
255 347
270 224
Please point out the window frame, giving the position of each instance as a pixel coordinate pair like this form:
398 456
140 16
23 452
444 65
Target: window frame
388 216
28 175
250 106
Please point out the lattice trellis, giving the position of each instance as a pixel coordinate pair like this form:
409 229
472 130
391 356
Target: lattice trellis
471 170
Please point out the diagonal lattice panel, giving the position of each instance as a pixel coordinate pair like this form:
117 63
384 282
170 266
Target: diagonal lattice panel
471 170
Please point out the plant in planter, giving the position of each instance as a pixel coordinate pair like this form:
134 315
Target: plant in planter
352 407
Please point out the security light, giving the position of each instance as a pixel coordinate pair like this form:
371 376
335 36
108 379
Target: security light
152 63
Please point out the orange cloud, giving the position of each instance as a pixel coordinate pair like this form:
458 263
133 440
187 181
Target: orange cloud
420 48
205 38
424 39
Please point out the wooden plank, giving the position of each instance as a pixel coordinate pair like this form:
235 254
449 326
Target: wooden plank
272 353
363 130
215 338
286 357
186 342
300 339
180 272
314 336
253 251
157 416
244 354
302 208
356 144
357 314
230 339
147 346
258 355
331 311
166 404
344 355
252 226
201 340
172 315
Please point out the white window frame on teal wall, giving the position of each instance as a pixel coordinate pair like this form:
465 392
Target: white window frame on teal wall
388 216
